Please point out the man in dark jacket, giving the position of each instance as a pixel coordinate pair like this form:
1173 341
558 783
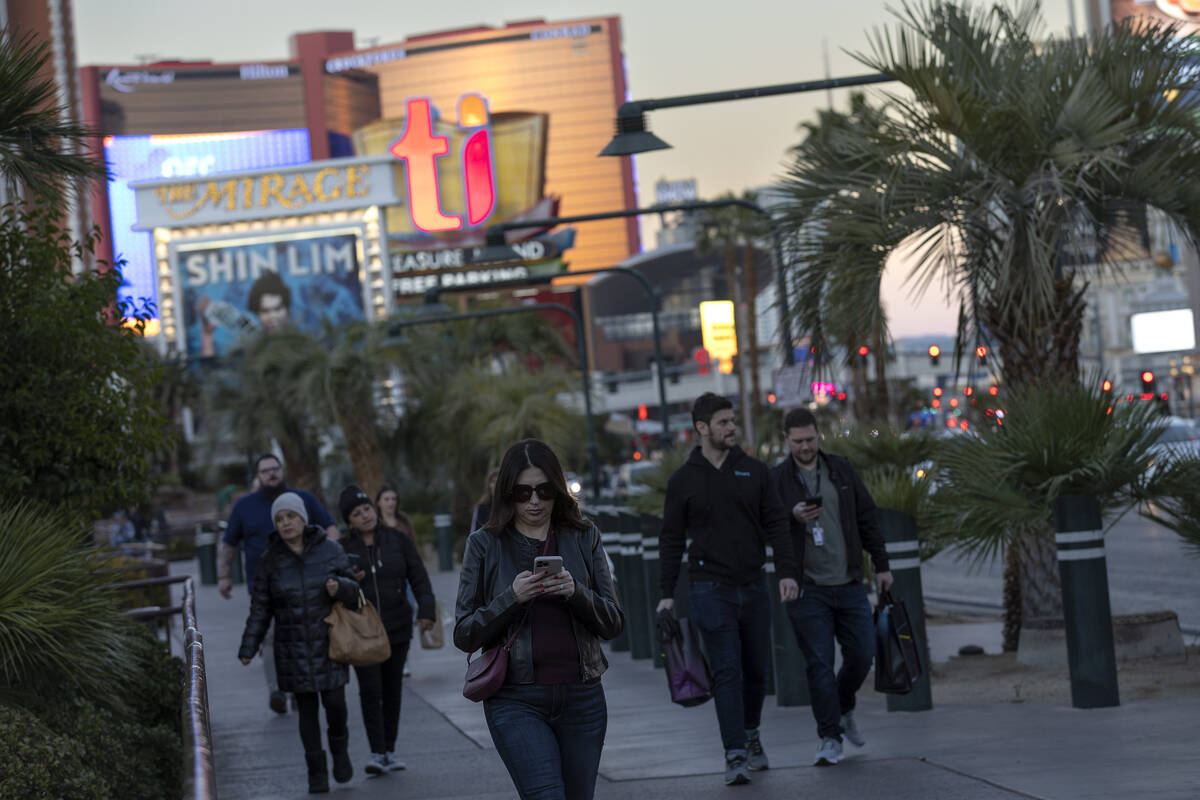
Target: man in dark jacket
832 522
724 501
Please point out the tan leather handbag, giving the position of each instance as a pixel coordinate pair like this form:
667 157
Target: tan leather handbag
357 637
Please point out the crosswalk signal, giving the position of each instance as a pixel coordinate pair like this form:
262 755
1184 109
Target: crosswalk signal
643 412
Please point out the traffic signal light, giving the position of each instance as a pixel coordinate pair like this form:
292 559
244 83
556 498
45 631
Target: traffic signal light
863 352
1149 385
1107 385
934 352
981 351
937 391
643 412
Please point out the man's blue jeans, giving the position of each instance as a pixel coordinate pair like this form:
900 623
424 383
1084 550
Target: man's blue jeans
819 616
735 622
550 737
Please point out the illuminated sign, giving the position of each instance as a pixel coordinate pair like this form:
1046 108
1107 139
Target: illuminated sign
261 72
420 148
675 191
718 331
238 287
317 187
360 60
1163 331
134 158
125 81
458 257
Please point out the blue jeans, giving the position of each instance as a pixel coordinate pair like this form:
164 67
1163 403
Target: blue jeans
735 623
550 737
819 616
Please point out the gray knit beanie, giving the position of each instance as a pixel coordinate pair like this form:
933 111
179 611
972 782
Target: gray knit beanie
291 502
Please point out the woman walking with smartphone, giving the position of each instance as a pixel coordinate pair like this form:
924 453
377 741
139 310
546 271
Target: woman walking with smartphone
549 718
388 564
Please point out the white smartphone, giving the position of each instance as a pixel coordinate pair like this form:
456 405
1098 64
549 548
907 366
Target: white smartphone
551 565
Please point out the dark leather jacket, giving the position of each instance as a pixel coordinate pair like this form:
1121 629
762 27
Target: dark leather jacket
291 589
391 565
487 608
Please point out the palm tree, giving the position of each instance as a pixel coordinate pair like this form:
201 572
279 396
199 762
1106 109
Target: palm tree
40 149
1012 169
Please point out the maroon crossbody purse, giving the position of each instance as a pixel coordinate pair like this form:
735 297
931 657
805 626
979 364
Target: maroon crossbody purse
485 675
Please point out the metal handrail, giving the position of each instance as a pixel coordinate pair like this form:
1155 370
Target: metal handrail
199 776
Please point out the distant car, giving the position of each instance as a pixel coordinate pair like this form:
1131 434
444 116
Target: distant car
1180 438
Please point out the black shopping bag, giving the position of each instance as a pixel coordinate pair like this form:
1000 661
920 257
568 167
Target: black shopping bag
688 676
897 661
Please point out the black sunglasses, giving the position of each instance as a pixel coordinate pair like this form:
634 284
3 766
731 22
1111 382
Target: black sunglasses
523 491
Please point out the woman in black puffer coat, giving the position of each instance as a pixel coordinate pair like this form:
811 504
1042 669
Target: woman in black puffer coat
388 563
298 578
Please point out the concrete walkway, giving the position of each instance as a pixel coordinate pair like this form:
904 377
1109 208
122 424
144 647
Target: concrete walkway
655 749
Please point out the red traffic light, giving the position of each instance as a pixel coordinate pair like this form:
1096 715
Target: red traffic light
643 412
864 350
936 403
934 351
937 391
993 390
841 395
1147 377
968 391
981 351
771 398
1107 385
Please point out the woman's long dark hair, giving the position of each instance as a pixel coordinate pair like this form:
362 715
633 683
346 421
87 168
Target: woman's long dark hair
522 455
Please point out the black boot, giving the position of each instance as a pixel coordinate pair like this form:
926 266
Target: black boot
318 772
343 770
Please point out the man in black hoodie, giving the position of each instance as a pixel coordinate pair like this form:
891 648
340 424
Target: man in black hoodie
832 522
724 501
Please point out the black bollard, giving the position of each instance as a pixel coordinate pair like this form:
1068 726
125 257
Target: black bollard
651 571
636 615
787 661
904 557
610 535
1091 656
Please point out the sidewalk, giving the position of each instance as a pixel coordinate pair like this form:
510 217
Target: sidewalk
655 749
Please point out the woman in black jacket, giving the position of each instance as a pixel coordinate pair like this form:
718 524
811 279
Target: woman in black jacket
388 562
548 720
298 578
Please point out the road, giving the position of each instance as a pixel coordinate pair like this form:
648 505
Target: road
1149 569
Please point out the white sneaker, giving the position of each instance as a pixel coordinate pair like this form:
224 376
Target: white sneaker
392 763
829 753
378 764
850 730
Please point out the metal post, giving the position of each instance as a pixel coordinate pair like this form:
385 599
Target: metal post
651 571
610 535
1091 655
635 613
787 661
900 536
441 525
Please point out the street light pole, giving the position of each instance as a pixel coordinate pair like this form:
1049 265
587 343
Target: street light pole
593 451
496 237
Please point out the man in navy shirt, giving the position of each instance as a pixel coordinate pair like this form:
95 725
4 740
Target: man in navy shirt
249 526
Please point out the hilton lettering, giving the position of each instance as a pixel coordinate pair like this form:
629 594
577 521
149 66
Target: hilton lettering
273 190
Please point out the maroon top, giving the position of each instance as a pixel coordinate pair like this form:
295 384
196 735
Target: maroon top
555 651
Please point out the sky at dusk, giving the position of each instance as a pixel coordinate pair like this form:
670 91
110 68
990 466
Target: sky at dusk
671 48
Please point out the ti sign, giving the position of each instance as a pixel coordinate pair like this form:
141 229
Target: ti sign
717 328
420 148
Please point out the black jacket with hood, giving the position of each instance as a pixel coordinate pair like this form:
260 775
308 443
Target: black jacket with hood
730 514
391 565
856 512
487 608
291 589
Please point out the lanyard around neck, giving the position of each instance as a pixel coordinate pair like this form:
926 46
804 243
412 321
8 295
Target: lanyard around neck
804 483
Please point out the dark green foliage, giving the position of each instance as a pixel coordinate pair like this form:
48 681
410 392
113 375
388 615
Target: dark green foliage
79 426
652 502
37 762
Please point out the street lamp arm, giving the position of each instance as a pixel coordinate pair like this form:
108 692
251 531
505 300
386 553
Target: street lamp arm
635 108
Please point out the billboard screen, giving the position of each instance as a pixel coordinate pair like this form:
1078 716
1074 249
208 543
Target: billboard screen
1163 331
135 158
234 287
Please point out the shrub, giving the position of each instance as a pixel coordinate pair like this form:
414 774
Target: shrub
37 762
